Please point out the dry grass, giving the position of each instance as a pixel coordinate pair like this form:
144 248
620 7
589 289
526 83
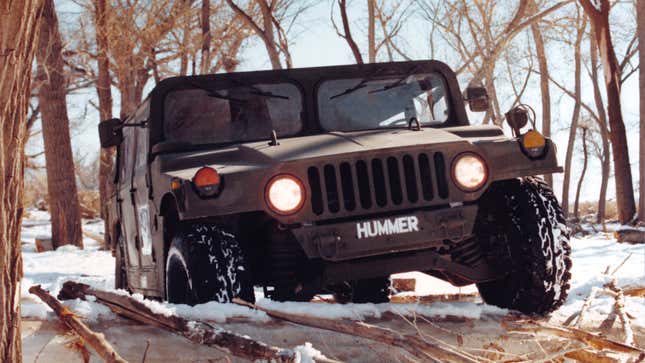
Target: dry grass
589 209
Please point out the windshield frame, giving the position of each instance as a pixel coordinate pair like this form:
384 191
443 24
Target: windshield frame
221 84
391 77
307 81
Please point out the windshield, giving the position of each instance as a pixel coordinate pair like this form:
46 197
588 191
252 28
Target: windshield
363 103
240 113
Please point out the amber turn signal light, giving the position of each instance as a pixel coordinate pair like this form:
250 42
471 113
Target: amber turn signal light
207 181
533 143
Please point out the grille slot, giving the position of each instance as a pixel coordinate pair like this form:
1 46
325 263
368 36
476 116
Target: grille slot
442 182
410 179
377 183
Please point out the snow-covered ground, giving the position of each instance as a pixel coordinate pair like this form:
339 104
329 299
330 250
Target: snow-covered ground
591 257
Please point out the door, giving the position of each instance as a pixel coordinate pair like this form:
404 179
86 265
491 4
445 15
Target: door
126 203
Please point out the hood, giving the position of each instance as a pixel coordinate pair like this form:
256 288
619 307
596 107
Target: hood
257 155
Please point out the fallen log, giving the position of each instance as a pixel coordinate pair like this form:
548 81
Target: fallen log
630 235
97 237
619 308
593 340
195 331
422 349
95 340
635 291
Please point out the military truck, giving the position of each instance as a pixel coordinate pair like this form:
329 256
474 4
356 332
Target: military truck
329 180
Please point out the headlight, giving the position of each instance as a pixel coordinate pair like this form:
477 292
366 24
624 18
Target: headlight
285 194
469 172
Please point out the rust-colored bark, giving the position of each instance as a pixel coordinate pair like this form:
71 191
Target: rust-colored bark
61 181
371 30
622 168
265 33
640 8
103 89
206 36
19 21
347 34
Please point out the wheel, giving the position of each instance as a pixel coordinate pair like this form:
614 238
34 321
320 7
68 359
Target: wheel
523 231
205 263
376 291
120 273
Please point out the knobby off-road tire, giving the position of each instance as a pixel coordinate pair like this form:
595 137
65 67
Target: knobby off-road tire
523 232
375 290
204 263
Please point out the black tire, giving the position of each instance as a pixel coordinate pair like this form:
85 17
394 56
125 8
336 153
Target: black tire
376 291
120 273
522 230
204 264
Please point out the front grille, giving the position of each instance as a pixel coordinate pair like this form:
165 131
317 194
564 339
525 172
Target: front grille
377 183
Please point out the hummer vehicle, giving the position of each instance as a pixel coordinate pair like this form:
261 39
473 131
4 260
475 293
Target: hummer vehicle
329 180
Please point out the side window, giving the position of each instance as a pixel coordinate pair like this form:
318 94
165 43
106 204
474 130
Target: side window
142 147
127 156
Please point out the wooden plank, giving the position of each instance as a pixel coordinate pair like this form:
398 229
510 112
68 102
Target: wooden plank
95 340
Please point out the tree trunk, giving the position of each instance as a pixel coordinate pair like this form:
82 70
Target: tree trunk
371 36
622 168
574 121
641 56
342 4
266 34
576 204
104 91
604 134
206 36
544 86
61 180
19 21
269 37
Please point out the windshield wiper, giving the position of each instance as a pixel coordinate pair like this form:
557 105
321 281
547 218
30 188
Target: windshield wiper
215 94
399 82
359 85
258 92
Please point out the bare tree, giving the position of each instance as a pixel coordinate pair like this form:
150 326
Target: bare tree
641 45
271 15
347 33
581 24
480 38
544 82
61 182
206 36
585 157
598 13
371 30
19 22
601 119
104 91
136 30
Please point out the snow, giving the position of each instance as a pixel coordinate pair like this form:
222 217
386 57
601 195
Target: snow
306 353
591 255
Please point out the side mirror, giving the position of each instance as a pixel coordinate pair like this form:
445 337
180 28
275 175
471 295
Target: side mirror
477 98
110 132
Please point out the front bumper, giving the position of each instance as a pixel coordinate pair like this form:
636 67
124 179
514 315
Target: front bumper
378 235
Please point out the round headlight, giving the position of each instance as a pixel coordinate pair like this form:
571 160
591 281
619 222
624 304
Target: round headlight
469 172
285 194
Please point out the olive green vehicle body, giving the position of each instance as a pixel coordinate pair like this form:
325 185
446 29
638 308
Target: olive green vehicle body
145 209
